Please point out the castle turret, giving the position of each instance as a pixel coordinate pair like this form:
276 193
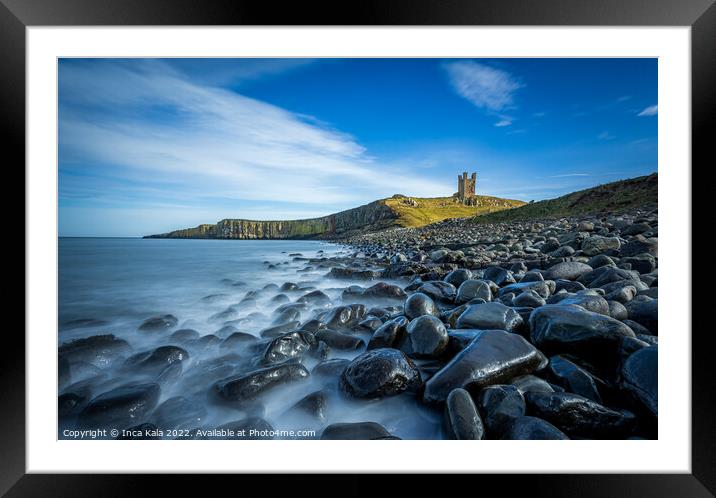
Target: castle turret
466 186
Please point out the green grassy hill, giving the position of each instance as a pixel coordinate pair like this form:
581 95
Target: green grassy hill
608 198
417 211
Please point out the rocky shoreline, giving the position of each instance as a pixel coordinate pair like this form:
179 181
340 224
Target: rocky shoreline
544 329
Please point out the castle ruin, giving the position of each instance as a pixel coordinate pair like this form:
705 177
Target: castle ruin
466 187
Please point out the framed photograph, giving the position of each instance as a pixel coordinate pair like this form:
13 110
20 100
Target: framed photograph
417 239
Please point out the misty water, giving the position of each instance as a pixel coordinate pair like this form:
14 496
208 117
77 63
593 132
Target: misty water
112 285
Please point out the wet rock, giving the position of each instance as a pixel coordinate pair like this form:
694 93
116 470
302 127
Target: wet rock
459 339
156 360
355 431
542 288
640 379
428 336
315 298
381 290
388 334
99 350
338 340
457 277
617 310
352 274
493 357
600 260
499 275
461 419
178 412
380 372
500 405
120 408
578 416
645 313
279 299
529 299
567 270
419 304
492 315
622 295
82 323
635 229
640 246
610 276
343 317
291 345
277 330
525 383
590 302
643 263
473 289
567 328
573 378
352 292
597 244
288 287
229 313
532 428
244 387
159 323
184 335
330 368
312 406
313 325
238 340
438 291
369 325
71 402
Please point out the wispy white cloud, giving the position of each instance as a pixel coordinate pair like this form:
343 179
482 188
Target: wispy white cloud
151 125
503 122
652 110
486 87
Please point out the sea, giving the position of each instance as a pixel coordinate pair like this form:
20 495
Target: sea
111 285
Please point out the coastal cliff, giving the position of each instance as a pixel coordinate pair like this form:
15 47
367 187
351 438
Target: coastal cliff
373 216
398 210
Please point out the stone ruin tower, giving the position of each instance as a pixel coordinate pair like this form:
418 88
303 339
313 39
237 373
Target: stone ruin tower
466 187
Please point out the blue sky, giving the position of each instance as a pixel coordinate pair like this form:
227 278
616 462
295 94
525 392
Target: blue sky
152 145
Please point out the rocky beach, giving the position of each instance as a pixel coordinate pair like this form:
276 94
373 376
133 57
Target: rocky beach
531 329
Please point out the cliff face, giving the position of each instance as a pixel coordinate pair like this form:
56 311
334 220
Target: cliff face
373 216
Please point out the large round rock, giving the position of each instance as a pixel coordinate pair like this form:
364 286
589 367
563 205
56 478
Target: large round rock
499 405
472 289
493 357
567 270
419 304
462 421
640 378
578 416
120 408
492 315
380 372
568 328
247 386
428 335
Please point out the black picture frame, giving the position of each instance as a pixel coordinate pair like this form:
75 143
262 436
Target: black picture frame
700 15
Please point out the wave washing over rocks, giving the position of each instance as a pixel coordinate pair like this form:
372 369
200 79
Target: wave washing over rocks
527 330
